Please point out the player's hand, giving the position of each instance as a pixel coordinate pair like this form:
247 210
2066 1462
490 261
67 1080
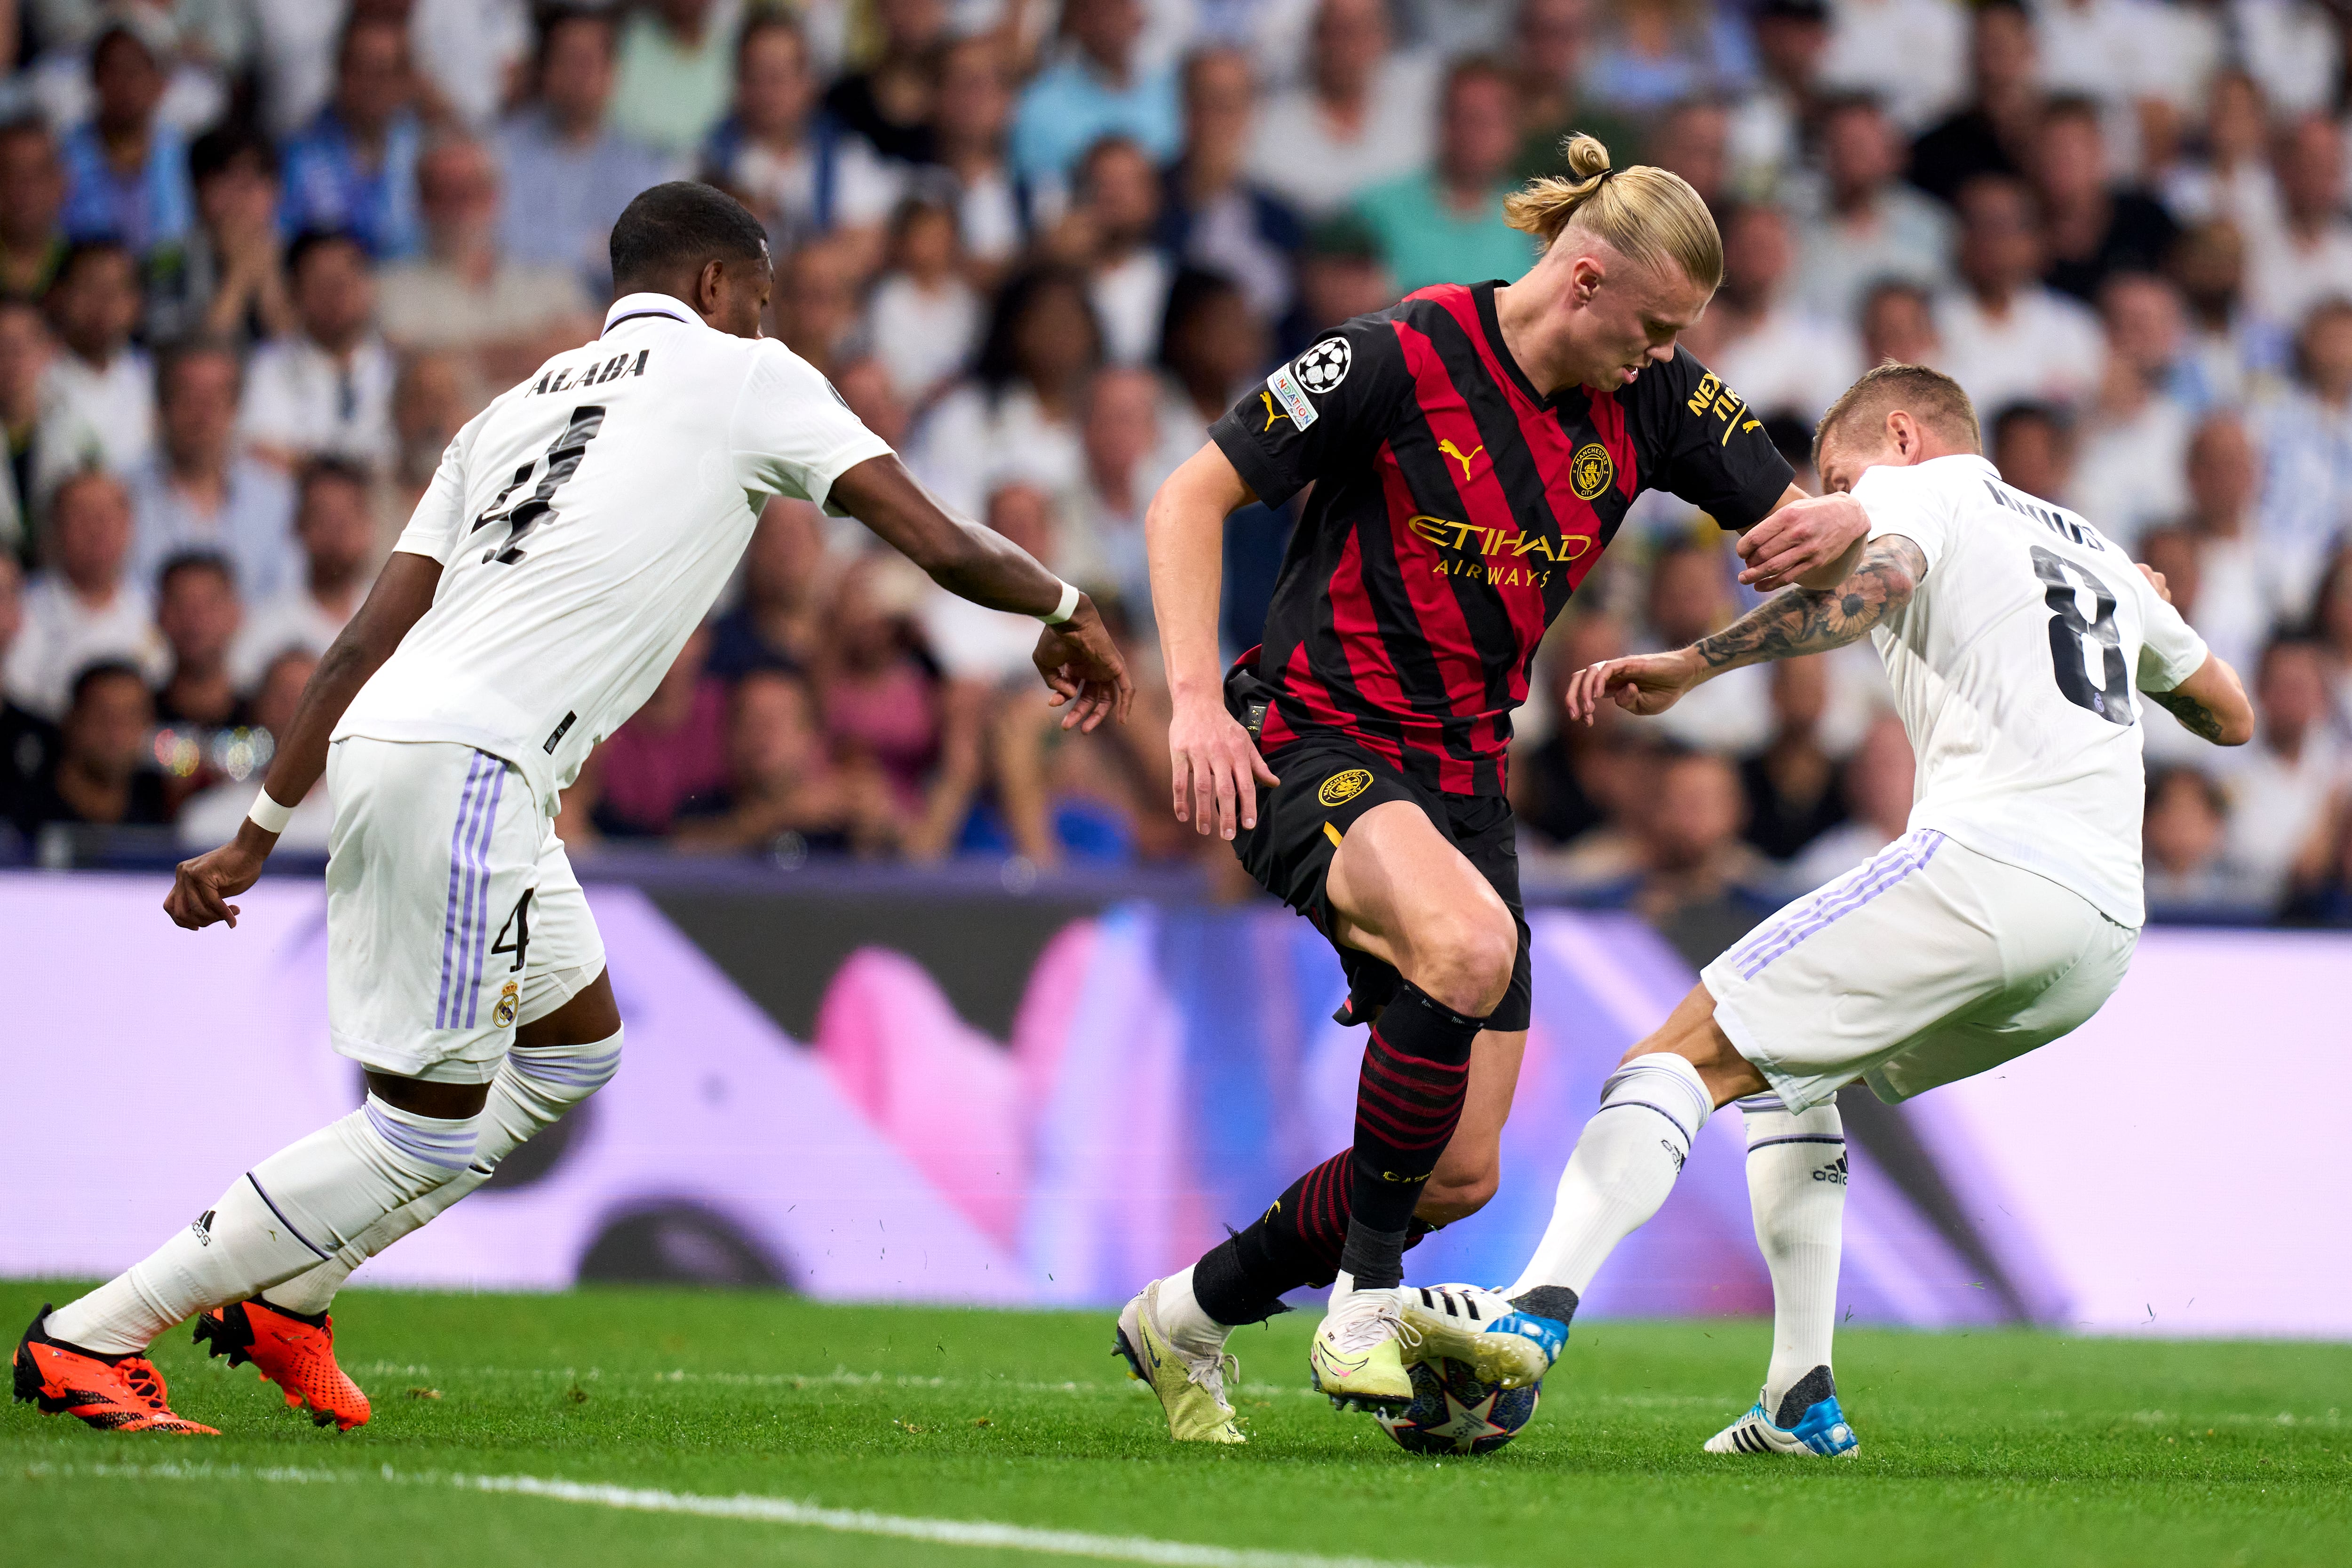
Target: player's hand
1215 767
1645 684
1800 538
202 888
2154 581
1085 669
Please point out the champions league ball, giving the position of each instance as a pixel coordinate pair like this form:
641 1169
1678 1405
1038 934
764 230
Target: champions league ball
1324 365
1453 1413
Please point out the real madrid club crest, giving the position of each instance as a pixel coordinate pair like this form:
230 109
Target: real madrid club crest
510 1004
1342 787
1591 471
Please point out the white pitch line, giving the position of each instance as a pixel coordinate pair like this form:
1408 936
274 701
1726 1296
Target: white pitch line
971 1532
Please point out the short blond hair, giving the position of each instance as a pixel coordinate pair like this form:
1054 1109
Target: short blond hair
1929 396
1645 214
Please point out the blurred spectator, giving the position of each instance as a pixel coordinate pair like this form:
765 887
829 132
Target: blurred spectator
1096 86
2229 347
28 743
2307 435
336 530
212 816
866 387
200 490
815 302
431 402
24 352
197 613
2308 258
2007 336
1340 276
2185 850
2331 627
1690 598
102 774
1213 348
890 101
1792 784
784 792
99 395
353 168
670 756
1580 776
1548 49
982 650
2094 229
2239 594
973 106
1445 224
1913 51
2232 183
1693 139
1654 53
2033 444
2135 433
922 319
1869 226
1772 120
81 608
1017 417
2101 51
1125 461
232 284
802 173
32 200
470 56
2284 792
881 698
1877 788
1776 355
1213 214
672 70
325 387
568 173
1109 230
1363 115
294 56
1898 324
2293 49
462 294
1994 133
779 621
126 174
2174 552
1699 883
194 92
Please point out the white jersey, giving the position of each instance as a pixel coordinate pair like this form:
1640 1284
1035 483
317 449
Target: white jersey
584 522
2014 667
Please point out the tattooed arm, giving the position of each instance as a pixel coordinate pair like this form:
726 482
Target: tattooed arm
1790 625
2210 704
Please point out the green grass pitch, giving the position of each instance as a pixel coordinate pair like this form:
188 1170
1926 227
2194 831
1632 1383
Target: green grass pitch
2003 1447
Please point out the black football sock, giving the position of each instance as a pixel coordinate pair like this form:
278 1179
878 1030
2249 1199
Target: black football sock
1408 1100
1293 1245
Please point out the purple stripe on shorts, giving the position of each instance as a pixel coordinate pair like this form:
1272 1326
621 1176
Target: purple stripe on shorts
1840 901
449 915
477 892
482 865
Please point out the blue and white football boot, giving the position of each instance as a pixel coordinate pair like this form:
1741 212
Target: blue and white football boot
1810 1422
1501 1344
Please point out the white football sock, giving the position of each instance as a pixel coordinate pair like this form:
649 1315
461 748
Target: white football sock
535 1085
280 1217
1795 1185
1188 1328
1625 1164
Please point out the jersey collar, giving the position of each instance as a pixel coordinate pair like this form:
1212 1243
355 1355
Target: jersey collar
632 306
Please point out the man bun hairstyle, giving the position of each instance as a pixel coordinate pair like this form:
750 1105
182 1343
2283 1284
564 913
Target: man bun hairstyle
1645 214
1929 396
682 225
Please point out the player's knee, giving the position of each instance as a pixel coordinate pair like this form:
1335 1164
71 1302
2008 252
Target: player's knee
1466 960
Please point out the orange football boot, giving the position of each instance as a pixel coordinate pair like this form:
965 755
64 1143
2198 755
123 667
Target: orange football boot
64 1380
295 1352
143 1377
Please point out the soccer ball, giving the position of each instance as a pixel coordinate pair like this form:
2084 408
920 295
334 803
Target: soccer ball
1453 1413
1324 365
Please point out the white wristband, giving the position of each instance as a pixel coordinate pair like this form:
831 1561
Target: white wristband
1065 610
268 815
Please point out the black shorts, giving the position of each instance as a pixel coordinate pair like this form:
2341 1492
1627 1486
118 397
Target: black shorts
1329 781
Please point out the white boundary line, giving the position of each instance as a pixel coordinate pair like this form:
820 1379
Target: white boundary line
972 1533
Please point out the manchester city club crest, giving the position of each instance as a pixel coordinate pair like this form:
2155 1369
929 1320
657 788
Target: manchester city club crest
1342 787
1591 471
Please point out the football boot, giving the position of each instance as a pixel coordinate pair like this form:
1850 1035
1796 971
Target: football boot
64 1380
294 1351
1359 1355
1191 1389
1501 1344
1807 1422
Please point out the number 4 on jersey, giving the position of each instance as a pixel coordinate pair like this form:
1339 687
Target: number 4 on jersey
562 460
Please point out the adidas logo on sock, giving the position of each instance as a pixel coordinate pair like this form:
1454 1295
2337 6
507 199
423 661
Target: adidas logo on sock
1833 1172
1673 1153
203 1225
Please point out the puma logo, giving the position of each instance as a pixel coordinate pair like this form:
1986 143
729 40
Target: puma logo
1271 415
1459 456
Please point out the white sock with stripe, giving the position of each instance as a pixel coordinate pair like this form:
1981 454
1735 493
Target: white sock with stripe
535 1085
1796 1187
1625 1164
286 1215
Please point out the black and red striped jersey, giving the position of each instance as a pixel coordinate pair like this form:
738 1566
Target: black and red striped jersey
1454 510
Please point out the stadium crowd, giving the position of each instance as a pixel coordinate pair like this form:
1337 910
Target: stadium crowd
259 259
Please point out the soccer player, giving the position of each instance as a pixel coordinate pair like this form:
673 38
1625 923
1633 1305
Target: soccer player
575 536
2015 635
1472 452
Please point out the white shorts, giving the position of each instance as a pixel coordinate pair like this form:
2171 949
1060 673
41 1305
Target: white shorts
452 913
1928 965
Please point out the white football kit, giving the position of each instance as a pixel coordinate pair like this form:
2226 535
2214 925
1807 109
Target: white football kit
584 522
2008 913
